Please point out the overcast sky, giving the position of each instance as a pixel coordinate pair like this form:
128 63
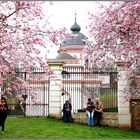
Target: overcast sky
62 14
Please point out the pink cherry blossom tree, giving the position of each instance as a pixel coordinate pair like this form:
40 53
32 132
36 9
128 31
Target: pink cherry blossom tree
24 31
115 36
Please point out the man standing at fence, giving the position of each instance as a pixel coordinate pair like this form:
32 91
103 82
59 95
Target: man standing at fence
67 111
90 112
98 111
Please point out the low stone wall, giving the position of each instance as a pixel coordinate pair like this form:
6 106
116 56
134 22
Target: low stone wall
56 116
109 118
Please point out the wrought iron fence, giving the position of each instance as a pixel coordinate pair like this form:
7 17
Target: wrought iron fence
78 83
39 82
83 83
15 110
19 110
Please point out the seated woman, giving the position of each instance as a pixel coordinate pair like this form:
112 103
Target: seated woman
90 112
98 111
67 111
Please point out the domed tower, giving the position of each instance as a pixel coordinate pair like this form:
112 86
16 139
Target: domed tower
73 45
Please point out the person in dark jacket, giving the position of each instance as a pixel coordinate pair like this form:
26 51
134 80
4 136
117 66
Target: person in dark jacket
67 111
3 112
90 112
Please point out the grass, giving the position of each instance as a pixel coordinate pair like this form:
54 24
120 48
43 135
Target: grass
41 128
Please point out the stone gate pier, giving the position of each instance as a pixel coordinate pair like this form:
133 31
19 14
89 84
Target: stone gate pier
124 116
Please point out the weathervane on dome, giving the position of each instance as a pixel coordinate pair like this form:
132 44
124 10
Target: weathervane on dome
75 16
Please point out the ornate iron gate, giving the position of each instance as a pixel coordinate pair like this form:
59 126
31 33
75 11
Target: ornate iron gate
40 83
79 84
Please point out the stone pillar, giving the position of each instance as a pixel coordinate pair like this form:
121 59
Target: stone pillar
124 115
55 89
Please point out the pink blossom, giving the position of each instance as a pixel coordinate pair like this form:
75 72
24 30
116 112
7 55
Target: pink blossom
119 20
115 31
21 39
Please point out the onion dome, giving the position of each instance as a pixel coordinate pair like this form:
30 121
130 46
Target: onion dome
79 39
75 27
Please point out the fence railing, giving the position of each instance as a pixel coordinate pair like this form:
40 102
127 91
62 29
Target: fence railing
78 82
27 110
39 82
81 83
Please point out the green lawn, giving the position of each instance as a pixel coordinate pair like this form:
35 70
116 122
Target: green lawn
56 129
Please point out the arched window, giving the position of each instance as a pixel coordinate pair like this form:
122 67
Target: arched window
75 57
